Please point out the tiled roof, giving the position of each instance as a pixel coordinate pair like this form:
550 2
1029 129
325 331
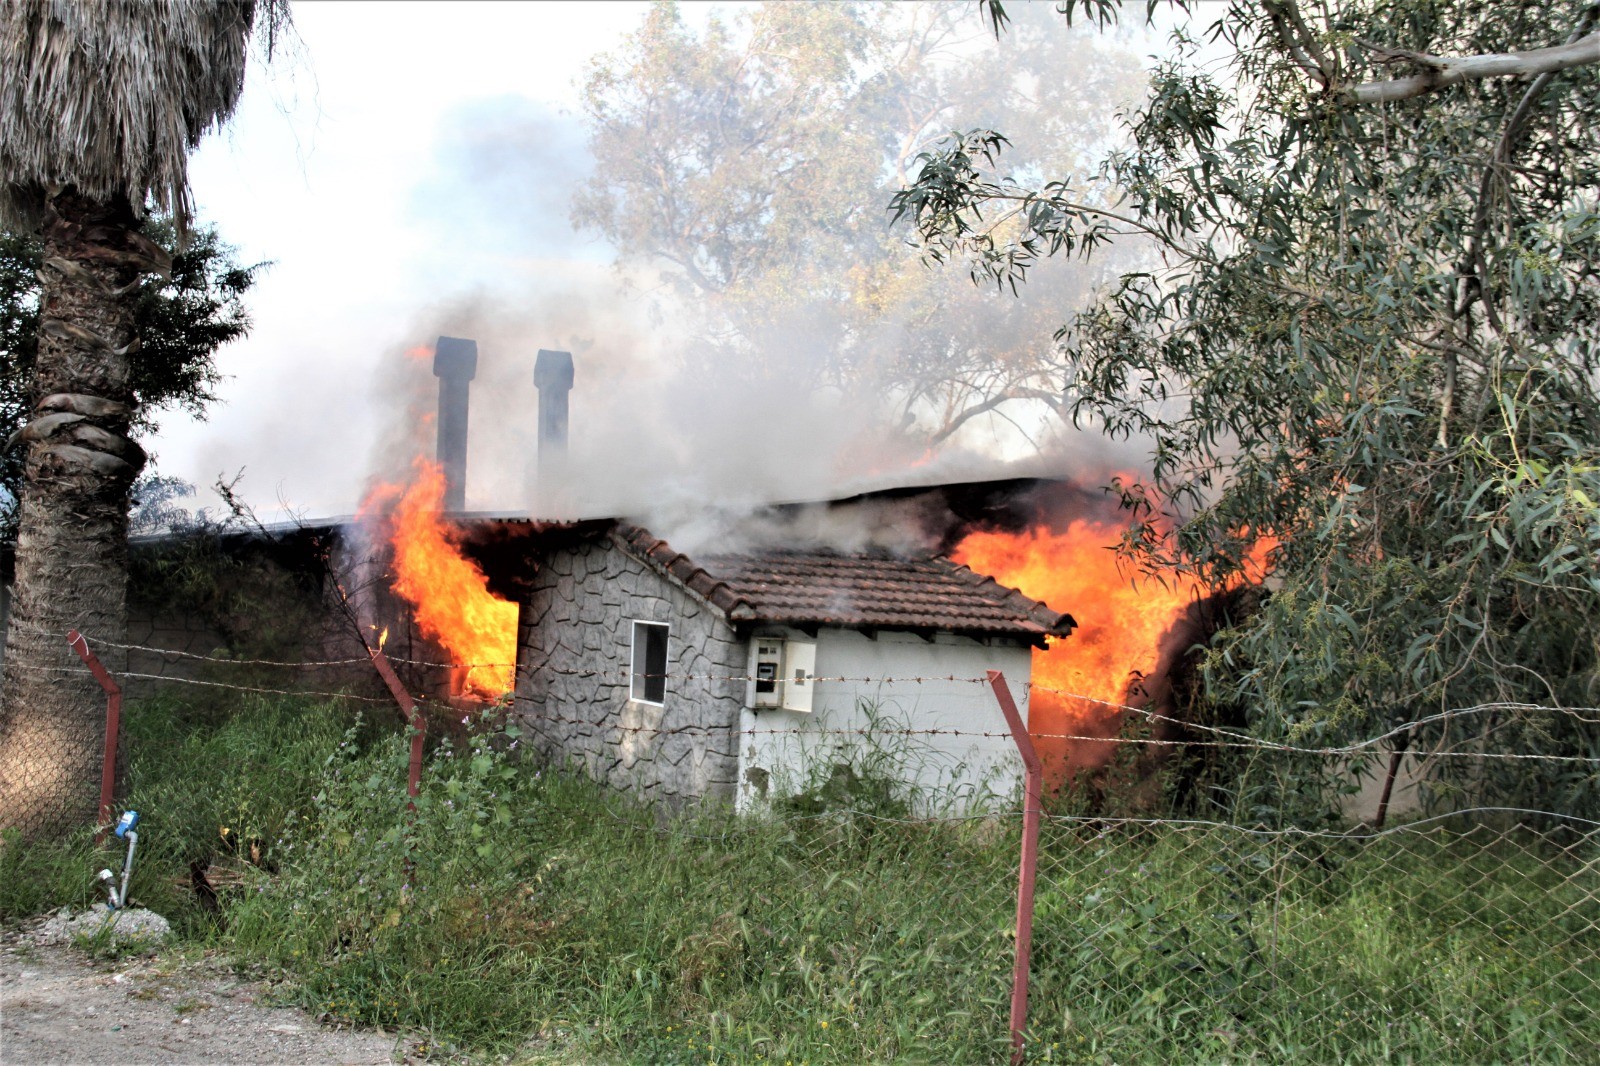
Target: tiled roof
861 591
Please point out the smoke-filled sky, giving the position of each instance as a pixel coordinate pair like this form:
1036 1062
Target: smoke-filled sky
408 172
350 167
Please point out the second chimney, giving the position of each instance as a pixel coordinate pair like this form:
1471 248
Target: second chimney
455 364
552 376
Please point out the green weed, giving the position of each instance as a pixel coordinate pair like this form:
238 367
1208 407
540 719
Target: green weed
214 783
515 905
38 876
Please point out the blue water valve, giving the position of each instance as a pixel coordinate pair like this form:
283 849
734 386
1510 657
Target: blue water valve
126 823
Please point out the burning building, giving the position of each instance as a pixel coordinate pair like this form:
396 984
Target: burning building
742 665
733 669
736 675
740 669
740 676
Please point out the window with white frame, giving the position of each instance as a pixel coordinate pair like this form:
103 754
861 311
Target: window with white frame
649 662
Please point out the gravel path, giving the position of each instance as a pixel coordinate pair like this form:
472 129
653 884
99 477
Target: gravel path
58 1006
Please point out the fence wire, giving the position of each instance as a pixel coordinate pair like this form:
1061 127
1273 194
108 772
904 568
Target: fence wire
879 915
1470 938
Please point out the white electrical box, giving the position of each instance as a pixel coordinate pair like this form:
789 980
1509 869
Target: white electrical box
783 673
799 674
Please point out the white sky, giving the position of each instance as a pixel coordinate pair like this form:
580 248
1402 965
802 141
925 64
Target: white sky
345 167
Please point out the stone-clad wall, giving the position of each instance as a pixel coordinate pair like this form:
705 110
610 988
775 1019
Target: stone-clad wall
574 657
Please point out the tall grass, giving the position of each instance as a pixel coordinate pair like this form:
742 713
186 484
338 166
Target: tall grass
1222 944
194 768
514 903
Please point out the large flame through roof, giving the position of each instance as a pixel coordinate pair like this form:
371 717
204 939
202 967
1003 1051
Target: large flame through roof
450 595
1081 681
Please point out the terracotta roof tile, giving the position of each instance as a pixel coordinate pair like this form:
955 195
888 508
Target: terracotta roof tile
858 590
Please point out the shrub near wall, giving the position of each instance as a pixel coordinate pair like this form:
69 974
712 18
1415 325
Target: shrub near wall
211 587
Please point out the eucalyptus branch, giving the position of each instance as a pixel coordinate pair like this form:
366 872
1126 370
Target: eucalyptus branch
1074 207
1388 54
1499 162
1445 71
1447 401
1298 41
967 414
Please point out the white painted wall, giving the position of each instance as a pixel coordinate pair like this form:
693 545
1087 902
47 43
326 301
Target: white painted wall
790 752
1405 801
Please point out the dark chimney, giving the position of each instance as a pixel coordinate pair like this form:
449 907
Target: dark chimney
455 364
552 376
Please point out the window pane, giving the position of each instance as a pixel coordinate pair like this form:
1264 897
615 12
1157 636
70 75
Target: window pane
639 630
655 665
649 662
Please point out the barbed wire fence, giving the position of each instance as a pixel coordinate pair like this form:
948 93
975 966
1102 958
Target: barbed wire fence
1070 933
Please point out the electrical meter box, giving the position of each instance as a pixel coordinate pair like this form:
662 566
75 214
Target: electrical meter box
783 674
769 668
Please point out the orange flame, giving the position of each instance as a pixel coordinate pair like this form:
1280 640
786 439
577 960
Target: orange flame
1082 680
451 597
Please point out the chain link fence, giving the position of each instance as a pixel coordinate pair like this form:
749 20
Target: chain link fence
1463 938
854 920
51 756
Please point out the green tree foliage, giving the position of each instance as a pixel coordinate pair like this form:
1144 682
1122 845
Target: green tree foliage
749 164
1372 337
182 321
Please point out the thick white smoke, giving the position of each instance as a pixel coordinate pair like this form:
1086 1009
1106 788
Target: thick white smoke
688 436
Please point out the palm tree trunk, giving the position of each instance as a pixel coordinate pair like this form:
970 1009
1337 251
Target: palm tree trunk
71 556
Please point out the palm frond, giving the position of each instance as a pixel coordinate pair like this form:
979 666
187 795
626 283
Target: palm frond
110 96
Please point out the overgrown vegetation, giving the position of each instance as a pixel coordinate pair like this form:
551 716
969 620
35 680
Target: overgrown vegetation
516 904
1371 340
264 596
194 768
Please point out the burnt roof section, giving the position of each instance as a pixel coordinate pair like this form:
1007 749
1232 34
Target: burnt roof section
807 588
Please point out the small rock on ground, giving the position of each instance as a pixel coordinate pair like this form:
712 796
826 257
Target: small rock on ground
131 929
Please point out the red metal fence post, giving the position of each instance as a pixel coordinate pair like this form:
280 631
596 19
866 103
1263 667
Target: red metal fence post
408 708
1033 790
108 762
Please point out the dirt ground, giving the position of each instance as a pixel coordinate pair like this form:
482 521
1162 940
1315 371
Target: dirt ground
57 1005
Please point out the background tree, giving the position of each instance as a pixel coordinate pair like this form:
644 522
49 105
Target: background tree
749 163
181 323
1372 338
99 108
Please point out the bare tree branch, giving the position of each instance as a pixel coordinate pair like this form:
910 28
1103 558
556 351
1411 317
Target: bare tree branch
1447 71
